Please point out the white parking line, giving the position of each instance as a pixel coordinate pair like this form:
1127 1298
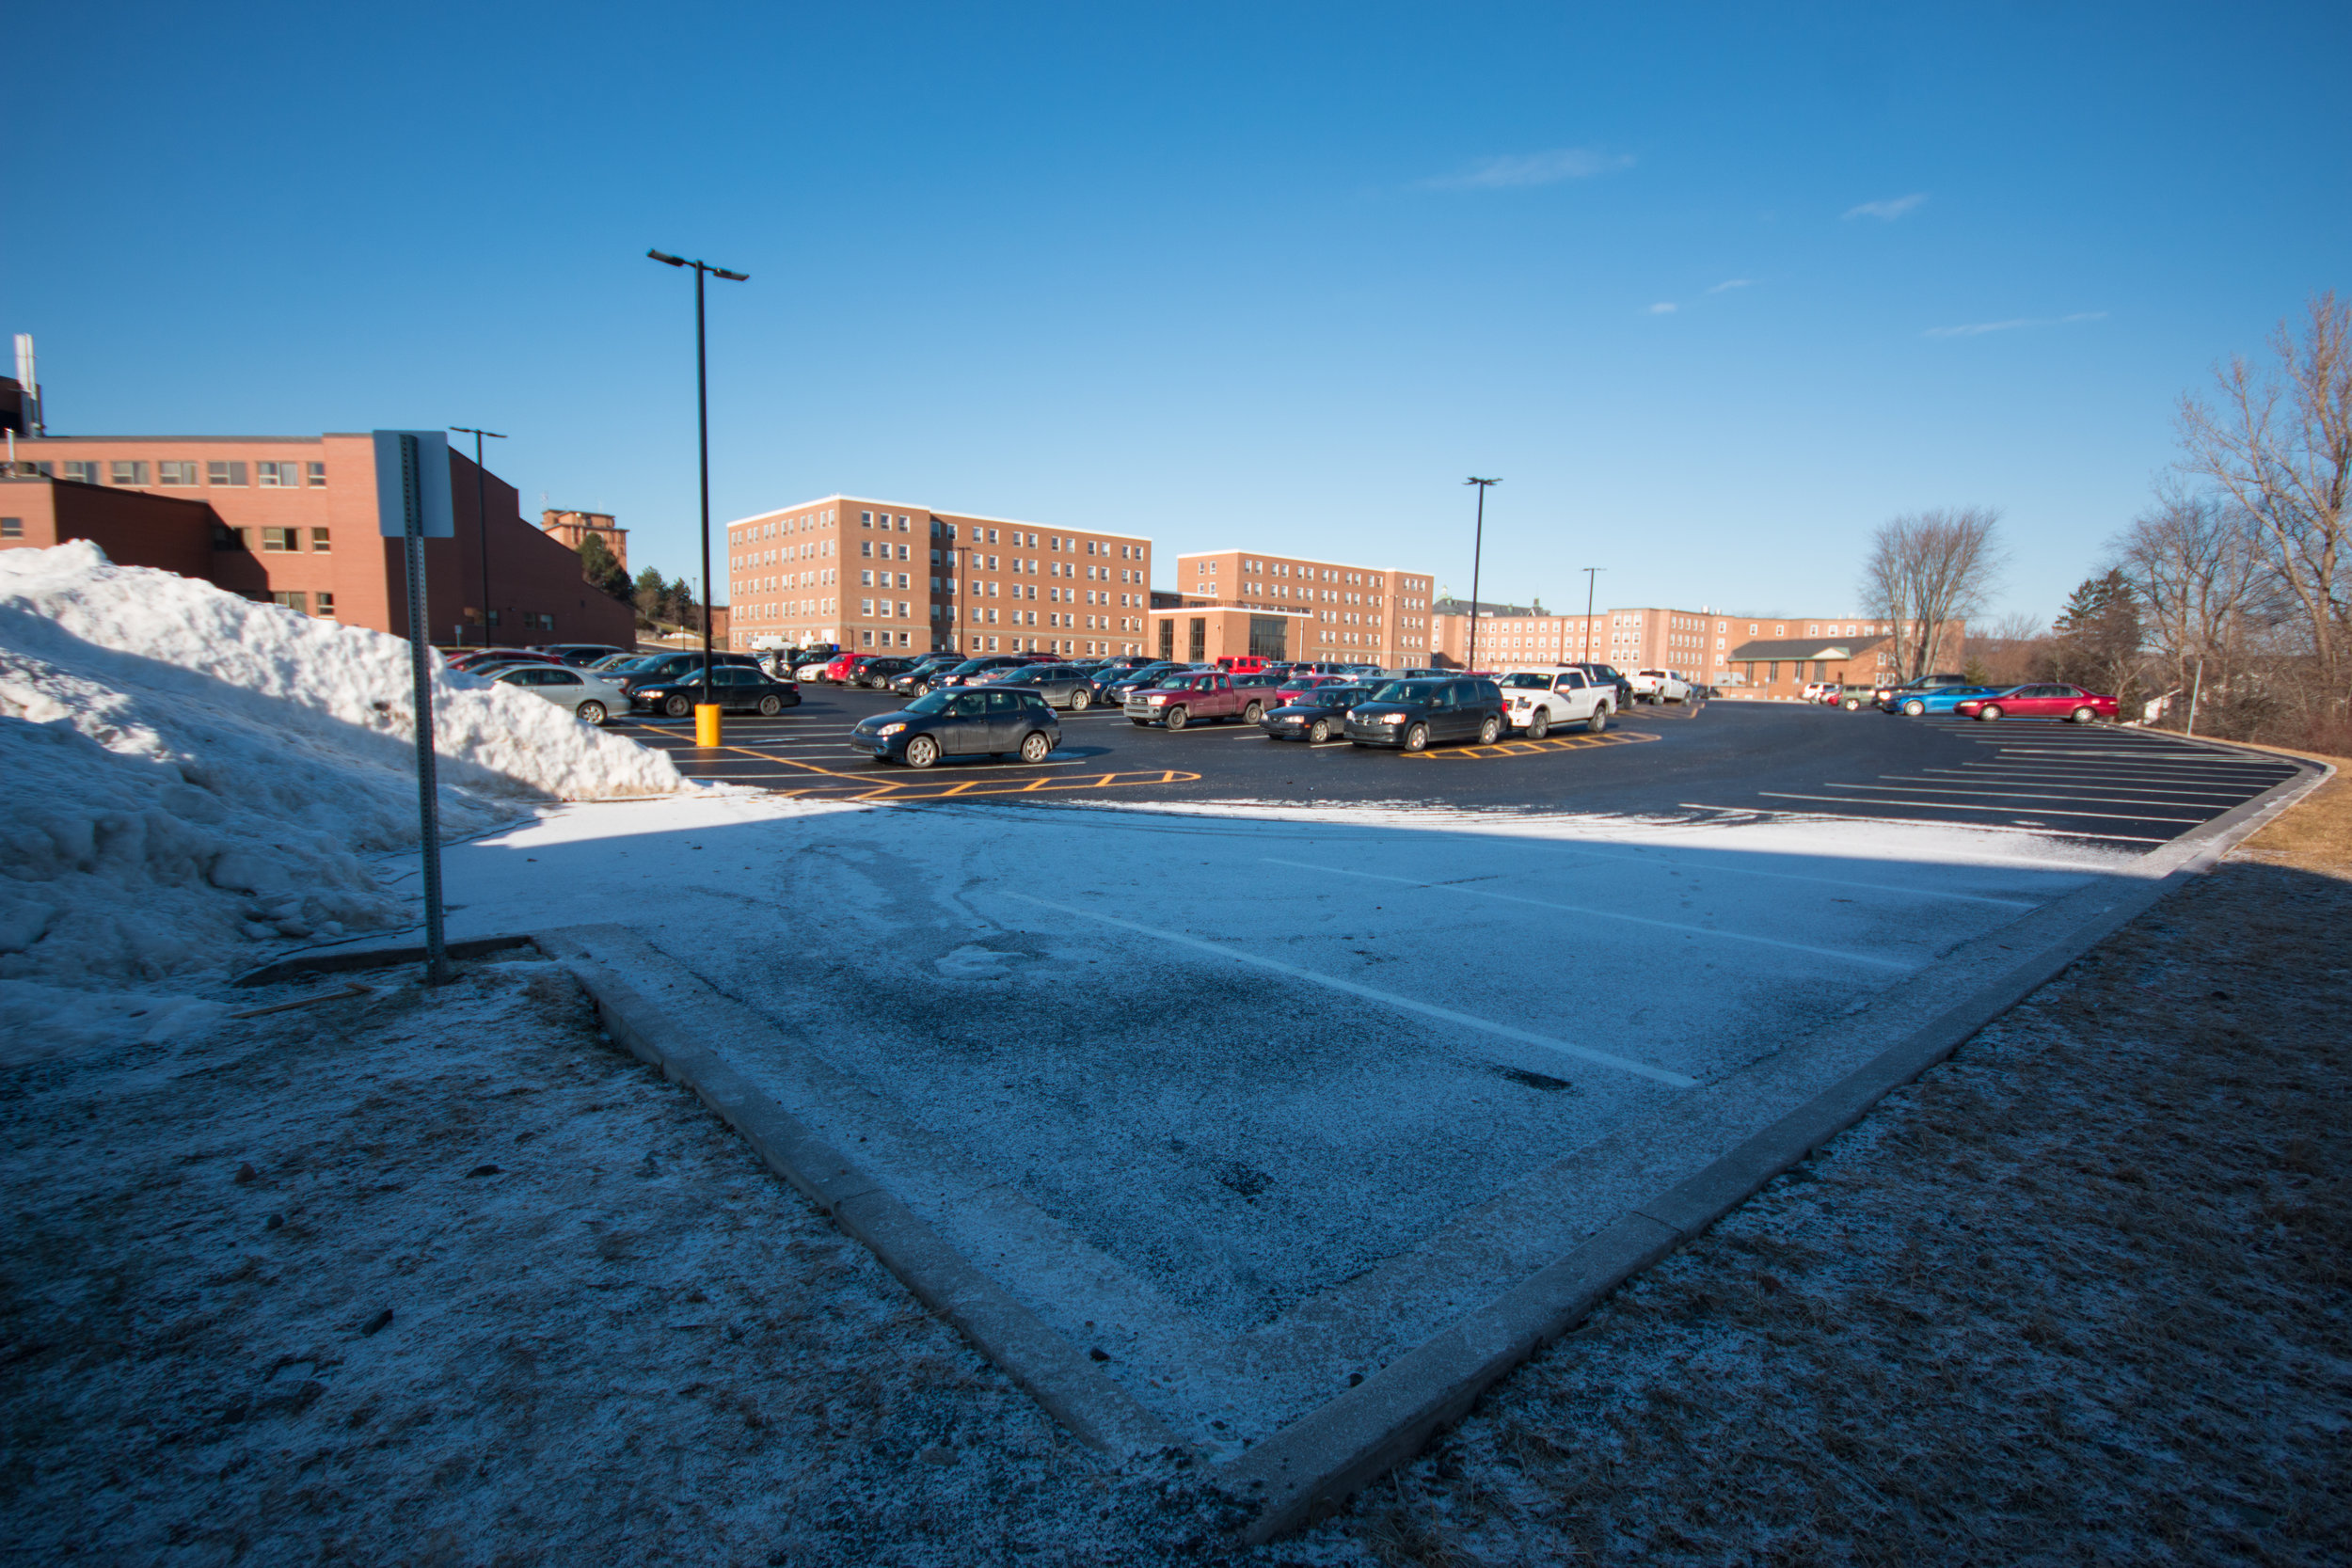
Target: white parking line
1794 877
1611 915
1956 805
1447 1015
1913 822
1923 787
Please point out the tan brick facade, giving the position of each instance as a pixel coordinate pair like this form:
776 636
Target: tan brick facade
1319 610
1697 643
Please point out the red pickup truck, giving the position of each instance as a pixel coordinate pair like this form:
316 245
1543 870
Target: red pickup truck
1192 695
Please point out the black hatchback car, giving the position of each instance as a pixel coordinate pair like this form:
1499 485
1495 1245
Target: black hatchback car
1412 715
1316 714
737 689
986 720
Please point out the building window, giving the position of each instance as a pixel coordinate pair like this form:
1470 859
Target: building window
218 472
175 474
11 528
326 604
318 476
278 540
129 470
318 540
277 476
297 602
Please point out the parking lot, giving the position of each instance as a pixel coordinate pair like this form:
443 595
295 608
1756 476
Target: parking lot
1721 760
1249 1064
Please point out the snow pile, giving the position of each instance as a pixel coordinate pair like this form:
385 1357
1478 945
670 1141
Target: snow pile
188 768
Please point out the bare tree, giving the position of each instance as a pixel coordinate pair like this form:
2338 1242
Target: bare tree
1927 570
2278 443
2196 563
2010 651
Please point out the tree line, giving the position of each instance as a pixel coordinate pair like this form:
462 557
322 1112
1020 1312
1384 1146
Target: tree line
2225 600
659 602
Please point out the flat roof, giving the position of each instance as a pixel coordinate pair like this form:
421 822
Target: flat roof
36 440
1345 565
878 503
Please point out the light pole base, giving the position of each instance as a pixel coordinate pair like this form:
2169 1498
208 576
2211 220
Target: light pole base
707 723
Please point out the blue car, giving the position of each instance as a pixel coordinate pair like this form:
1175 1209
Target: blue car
1942 699
988 720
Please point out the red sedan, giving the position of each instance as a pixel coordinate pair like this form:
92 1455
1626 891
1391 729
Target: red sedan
2039 702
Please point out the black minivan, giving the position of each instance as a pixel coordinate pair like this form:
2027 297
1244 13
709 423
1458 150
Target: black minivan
1410 715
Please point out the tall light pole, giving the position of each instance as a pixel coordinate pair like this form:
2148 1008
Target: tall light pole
702 420
1590 573
1478 547
481 518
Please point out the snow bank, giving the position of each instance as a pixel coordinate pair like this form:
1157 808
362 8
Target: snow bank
187 768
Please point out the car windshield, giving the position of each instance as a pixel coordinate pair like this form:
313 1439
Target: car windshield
1176 683
1340 696
972 667
1404 692
1529 679
931 702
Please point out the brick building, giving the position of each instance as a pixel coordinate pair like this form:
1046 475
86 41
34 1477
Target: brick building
870 574
1759 655
572 530
1290 607
292 520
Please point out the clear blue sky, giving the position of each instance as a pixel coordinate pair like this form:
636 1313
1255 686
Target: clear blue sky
1265 273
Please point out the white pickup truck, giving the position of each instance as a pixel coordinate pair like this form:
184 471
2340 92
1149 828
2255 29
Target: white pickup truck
1660 686
1536 701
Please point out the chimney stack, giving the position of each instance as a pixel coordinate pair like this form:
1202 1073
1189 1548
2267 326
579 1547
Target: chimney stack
30 381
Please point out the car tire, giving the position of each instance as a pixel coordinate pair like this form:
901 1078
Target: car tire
1538 724
678 708
1989 712
1417 738
1255 711
922 751
1598 721
1489 730
1080 699
590 712
1915 708
1853 704
1178 719
922 688
1318 732
771 705
2084 715
1035 747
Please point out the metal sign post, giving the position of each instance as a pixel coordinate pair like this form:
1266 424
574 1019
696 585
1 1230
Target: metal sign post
412 501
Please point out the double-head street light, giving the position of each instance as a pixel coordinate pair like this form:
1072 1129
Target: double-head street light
702 418
481 518
1590 574
1478 546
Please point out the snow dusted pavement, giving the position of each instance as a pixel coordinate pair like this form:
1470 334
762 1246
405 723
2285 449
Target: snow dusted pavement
1252 1099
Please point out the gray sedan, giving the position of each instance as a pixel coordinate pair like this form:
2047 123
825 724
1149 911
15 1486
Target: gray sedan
1060 685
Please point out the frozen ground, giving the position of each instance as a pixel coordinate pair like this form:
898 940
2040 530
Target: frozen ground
190 773
1280 1093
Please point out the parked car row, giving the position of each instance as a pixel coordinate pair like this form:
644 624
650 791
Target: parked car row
1957 694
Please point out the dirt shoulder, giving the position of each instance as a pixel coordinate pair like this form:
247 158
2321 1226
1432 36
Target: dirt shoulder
2080 1294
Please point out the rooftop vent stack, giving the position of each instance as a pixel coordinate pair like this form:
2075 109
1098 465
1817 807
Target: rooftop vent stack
31 383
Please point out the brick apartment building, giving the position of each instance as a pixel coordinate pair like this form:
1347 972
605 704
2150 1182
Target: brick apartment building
1770 656
292 520
871 575
572 530
1236 602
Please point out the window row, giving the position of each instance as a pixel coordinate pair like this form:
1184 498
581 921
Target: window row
176 473
273 541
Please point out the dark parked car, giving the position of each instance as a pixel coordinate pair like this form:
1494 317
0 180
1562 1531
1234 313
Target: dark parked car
664 667
1114 688
1315 714
738 687
1887 691
1060 685
1412 715
578 654
973 669
878 672
986 720
916 678
1608 674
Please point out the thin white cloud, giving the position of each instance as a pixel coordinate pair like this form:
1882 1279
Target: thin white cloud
1664 308
1887 212
1532 168
1977 330
1730 283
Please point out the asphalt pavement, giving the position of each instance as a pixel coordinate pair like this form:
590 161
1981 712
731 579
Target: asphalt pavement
1723 760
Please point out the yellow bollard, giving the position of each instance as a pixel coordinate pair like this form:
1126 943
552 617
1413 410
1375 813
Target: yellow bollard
707 723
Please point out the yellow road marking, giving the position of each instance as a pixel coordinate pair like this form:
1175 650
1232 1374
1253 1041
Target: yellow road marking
1530 748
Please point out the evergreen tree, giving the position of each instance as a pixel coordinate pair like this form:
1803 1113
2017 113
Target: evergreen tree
650 594
598 565
2095 642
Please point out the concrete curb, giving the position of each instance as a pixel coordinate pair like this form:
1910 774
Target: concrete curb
1055 1373
1313 1464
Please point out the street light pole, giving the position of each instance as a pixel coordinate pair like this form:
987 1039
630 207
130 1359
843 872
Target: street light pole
1590 573
1478 549
702 426
481 518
